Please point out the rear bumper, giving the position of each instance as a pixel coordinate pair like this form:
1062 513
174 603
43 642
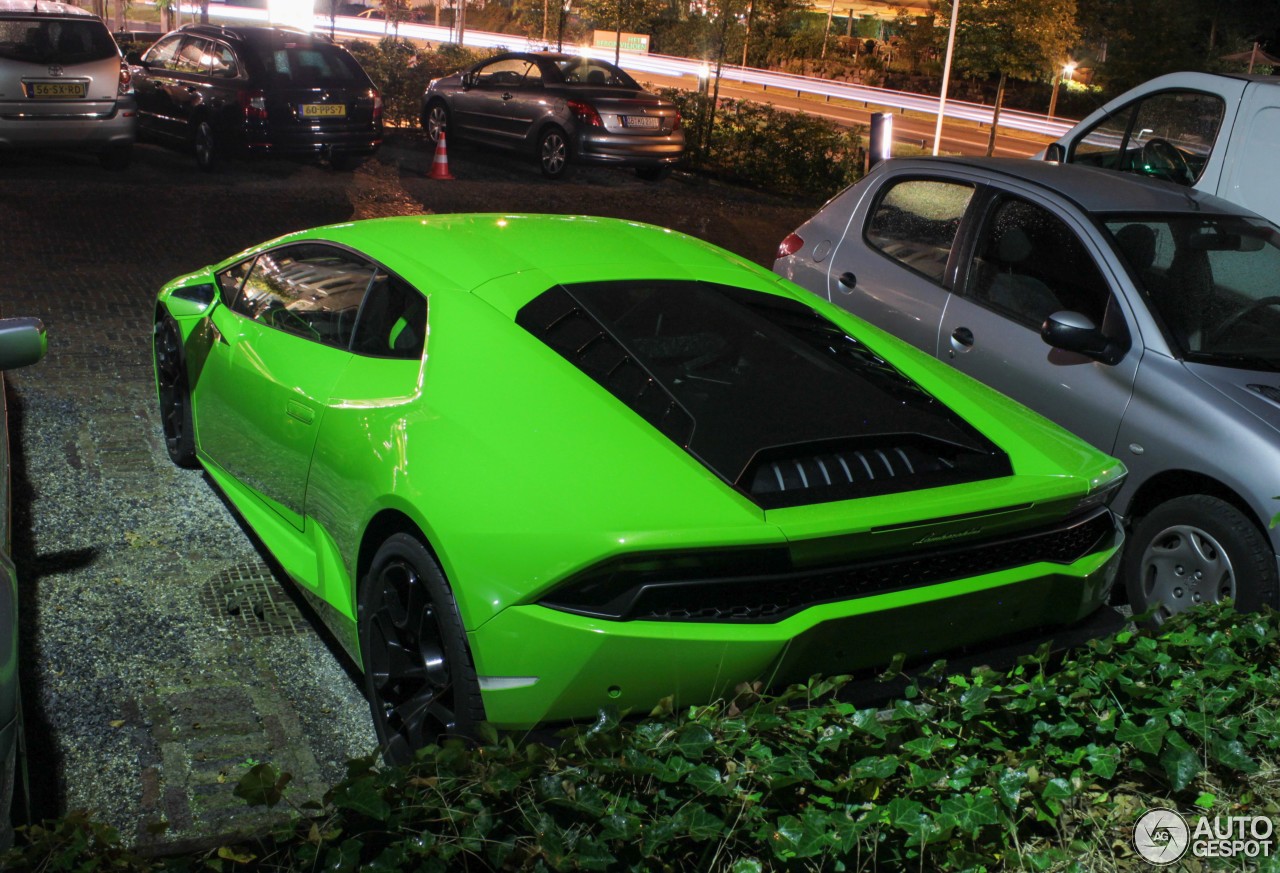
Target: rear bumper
285 140
595 146
20 128
538 664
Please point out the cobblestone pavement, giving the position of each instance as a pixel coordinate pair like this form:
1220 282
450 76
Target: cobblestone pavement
162 656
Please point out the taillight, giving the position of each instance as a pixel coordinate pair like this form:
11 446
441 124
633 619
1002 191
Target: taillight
675 121
125 85
585 113
377 104
789 246
254 105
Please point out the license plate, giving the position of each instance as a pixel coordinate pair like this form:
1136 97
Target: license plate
57 89
323 110
648 121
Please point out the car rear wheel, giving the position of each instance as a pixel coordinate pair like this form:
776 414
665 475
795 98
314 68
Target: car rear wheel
553 153
1198 549
174 393
419 676
434 120
208 153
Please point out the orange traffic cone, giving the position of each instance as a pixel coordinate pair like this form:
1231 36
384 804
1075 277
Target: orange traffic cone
440 163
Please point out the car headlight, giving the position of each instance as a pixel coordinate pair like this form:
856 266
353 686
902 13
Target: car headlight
1103 489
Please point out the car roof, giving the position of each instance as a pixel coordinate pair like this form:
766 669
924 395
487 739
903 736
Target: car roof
264 34
25 8
1093 189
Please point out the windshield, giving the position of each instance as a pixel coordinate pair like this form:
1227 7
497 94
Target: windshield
1213 280
55 40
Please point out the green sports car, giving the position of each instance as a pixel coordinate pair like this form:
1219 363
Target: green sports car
530 466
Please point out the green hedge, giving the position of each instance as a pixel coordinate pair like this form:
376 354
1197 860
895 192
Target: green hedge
402 72
1042 767
757 144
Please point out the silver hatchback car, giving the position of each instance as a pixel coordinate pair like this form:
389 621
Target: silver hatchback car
1141 315
63 83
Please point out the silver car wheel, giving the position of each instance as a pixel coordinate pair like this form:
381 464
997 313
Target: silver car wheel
1184 566
554 153
437 121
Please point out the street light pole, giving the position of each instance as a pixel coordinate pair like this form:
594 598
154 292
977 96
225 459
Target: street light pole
946 73
1067 69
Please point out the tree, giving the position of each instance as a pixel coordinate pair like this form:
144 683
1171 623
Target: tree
918 35
1026 39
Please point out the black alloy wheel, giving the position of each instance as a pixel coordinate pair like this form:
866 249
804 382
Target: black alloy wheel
419 676
208 152
553 153
174 393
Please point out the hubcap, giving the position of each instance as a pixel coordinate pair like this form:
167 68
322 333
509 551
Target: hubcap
1183 567
554 153
436 123
408 666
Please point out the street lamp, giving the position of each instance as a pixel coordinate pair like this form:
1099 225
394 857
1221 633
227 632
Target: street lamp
1067 69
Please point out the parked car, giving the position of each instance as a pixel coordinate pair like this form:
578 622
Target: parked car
22 342
561 108
63 83
257 90
530 466
1214 132
1141 315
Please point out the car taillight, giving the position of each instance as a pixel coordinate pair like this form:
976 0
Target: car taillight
789 246
377 104
675 121
585 113
254 104
125 85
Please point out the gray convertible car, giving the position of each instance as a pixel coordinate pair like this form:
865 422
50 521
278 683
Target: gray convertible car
1141 315
563 109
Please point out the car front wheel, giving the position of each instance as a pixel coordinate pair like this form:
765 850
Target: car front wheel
434 120
174 393
553 153
1198 549
418 671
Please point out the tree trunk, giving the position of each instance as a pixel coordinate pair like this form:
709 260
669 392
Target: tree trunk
995 116
204 11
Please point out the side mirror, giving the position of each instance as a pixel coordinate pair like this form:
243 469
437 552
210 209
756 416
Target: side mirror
469 80
1073 332
1056 152
22 342
192 300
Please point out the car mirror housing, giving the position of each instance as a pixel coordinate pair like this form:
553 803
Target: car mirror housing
1073 332
468 80
22 342
1056 152
192 300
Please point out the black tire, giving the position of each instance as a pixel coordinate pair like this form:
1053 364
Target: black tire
207 148
435 118
418 672
553 153
116 157
1198 549
654 174
174 392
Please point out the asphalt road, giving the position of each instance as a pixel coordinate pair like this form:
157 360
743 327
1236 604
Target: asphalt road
162 656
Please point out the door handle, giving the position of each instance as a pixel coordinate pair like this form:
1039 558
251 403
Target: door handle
507 95
300 411
848 280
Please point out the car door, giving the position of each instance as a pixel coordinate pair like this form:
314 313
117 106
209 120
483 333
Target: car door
156 111
483 108
1026 261
275 354
895 263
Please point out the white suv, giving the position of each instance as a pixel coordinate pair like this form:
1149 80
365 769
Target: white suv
63 83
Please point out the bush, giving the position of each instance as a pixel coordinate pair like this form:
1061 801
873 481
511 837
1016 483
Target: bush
1042 767
756 144
402 71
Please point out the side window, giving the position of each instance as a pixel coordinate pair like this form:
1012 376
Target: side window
393 321
311 290
193 56
230 280
504 73
160 56
223 62
1167 135
915 224
1029 265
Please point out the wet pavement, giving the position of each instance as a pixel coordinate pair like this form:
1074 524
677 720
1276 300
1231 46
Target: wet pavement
161 654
